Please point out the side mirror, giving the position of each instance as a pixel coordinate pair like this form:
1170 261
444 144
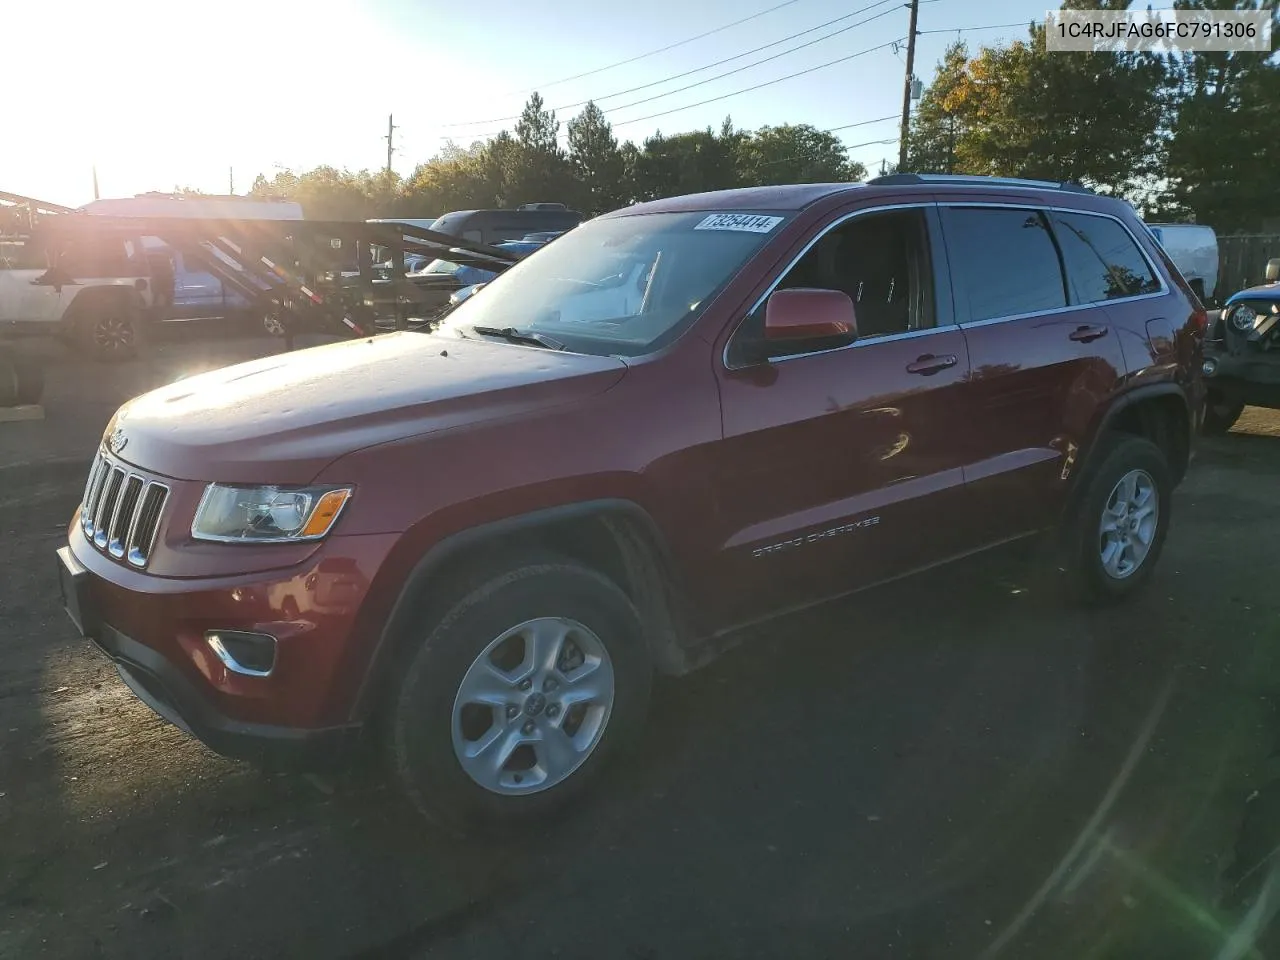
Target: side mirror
809 314
1273 270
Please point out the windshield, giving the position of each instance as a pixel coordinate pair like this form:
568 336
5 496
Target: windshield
620 286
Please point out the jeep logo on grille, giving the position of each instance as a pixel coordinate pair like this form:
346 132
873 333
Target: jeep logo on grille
117 441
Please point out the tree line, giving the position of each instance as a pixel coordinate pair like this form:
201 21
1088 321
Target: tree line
1182 136
593 173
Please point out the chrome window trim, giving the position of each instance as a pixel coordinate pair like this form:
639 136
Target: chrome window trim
1071 307
871 342
938 204
782 274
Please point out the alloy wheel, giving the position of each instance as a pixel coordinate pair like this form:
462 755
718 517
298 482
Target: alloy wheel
533 706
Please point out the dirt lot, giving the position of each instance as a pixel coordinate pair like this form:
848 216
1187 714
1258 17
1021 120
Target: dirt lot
960 768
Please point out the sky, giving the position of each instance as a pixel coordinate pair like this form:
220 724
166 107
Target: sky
190 93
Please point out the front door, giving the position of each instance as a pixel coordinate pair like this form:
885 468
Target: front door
841 462
22 301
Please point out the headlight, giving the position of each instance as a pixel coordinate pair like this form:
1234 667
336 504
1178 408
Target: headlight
1243 318
267 514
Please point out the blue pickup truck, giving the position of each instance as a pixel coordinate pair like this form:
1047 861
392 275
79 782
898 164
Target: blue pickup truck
186 289
1242 354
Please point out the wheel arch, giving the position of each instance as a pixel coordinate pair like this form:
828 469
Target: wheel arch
87 298
1158 411
617 537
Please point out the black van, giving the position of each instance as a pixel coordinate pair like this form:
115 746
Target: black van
494 226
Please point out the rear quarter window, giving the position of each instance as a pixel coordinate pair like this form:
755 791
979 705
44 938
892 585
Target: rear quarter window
1102 259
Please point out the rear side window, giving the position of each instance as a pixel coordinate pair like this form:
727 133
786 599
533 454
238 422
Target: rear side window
1103 261
1003 262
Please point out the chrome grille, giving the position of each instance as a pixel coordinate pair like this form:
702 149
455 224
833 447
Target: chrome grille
121 511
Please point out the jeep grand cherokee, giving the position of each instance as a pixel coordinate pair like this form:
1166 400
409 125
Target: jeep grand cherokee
474 547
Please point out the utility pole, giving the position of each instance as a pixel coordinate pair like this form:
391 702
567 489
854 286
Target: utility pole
95 181
906 87
231 181
391 132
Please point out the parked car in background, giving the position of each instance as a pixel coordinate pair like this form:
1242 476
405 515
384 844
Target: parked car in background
188 289
1242 354
1193 248
677 420
95 294
493 226
445 284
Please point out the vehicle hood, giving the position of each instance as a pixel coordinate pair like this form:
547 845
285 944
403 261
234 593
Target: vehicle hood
1264 291
281 419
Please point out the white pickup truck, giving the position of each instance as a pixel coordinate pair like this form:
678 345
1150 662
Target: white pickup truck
97 297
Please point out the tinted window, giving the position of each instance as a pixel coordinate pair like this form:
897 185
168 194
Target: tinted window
1003 261
1103 262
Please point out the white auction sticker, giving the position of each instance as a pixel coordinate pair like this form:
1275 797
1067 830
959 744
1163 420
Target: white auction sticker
746 222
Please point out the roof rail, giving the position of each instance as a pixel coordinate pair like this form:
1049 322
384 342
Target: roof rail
904 179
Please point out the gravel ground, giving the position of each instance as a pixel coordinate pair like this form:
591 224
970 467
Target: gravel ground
958 765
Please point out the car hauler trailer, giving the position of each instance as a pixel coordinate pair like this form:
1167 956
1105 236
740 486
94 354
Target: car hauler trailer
292 270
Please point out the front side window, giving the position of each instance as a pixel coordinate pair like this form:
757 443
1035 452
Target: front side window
17 255
881 260
1004 262
1102 260
622 286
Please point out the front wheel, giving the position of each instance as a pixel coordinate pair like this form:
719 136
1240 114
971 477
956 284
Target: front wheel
516 698
112 331
1117 532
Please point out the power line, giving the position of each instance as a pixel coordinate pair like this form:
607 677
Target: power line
810 156
993 26
847 126
670 46
707 66
861 123
727 73
758 86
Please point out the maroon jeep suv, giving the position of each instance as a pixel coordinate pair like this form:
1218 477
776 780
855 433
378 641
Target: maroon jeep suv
474 547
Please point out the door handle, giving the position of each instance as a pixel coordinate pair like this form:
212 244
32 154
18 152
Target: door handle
1087 334
929 364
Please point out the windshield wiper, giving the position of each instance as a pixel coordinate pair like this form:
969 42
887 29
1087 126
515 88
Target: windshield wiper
520 336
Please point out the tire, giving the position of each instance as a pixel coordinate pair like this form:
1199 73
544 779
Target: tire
110 330
29 380
1087 547
431 726
1219 416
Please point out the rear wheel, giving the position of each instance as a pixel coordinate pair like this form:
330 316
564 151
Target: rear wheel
517 697
1118 530
1220 415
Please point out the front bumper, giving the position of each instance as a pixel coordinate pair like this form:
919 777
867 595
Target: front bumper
1251 377
154 630
156 683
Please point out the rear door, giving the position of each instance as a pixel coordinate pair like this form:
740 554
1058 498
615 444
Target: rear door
1043 361
841 463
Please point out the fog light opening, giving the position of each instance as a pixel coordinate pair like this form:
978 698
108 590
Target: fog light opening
248 654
